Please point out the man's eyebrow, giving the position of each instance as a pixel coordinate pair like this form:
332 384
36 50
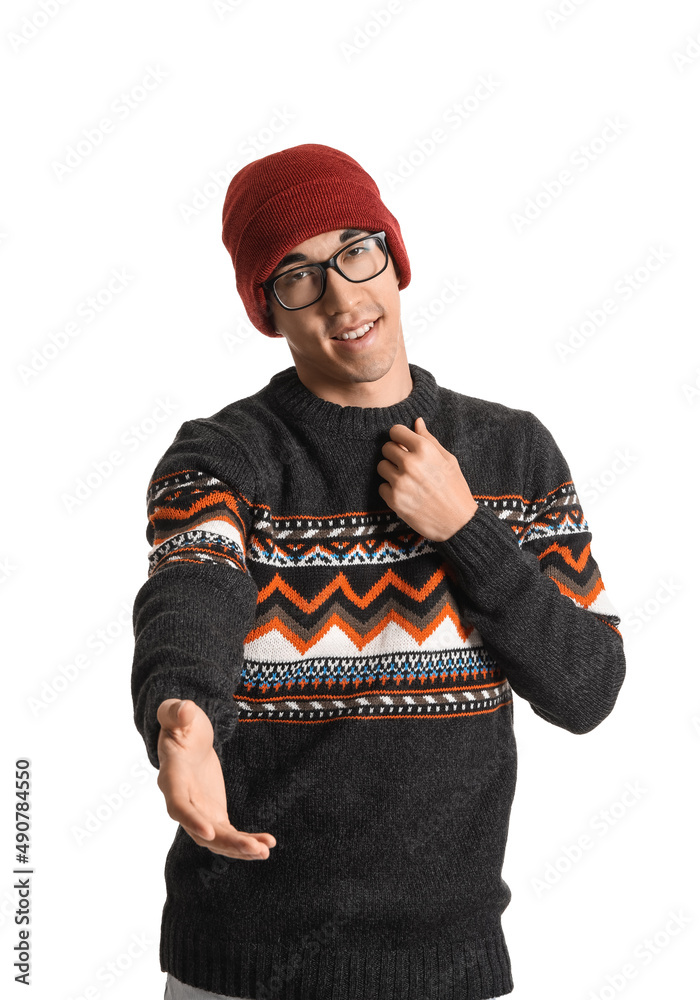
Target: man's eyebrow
299 258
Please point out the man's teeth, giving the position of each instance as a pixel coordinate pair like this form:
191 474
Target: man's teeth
356 334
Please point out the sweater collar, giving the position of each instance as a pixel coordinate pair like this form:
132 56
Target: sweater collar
295 403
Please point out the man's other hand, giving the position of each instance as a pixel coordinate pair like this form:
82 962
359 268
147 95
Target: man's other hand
191 779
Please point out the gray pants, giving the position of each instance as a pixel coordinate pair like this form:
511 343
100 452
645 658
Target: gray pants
175 990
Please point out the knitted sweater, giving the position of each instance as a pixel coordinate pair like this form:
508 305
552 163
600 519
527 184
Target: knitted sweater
359 679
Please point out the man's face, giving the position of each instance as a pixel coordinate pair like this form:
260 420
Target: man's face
344 304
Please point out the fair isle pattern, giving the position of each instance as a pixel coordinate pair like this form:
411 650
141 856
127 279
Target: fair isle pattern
541 525
353 539
194 517
395 646
459 700
418 655
559 513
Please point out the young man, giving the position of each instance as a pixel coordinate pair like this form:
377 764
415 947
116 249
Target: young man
351 572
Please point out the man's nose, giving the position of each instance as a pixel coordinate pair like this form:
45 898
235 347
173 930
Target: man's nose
339 289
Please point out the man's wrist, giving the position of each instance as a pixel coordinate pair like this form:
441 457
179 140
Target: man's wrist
463 521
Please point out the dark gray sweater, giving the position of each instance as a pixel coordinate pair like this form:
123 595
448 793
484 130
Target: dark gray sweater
360 681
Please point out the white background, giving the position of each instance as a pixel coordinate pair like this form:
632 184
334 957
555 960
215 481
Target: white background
622 401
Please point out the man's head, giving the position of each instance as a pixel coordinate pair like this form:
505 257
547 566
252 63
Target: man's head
347 303
280 201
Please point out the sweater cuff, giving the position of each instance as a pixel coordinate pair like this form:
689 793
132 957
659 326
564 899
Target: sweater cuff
489 560
223 717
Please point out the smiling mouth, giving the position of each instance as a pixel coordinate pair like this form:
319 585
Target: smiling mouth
356 334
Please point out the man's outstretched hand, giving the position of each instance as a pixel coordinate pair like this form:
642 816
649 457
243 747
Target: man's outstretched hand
191 779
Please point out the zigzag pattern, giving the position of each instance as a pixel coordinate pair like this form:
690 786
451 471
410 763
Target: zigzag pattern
568 563
538 524
305 632
194 517
402 644
558 513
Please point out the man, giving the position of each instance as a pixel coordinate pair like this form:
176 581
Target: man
352 569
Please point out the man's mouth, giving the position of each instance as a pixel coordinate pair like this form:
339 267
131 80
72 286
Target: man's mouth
356 334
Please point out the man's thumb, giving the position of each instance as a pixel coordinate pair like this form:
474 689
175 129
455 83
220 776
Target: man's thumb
174 714
178 710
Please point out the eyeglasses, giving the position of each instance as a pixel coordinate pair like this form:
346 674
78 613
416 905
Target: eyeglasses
301 286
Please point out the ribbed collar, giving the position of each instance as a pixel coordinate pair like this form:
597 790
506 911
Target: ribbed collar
295 403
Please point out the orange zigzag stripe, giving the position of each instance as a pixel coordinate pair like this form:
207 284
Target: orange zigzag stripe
340 582
585 599
577 564
420 635
567 555
183 514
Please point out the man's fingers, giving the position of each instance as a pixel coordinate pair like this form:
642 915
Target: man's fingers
218 835
233 843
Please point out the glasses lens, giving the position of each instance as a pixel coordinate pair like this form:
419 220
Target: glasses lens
363 260
299 288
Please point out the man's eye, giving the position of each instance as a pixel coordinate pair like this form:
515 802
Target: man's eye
290 278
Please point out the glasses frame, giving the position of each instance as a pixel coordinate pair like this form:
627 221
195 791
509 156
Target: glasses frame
323 266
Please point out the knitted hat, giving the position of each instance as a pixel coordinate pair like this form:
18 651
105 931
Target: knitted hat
283 199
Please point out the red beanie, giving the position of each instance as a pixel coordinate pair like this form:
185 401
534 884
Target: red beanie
283 199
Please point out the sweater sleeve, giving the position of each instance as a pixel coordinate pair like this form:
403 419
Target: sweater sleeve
536 596
191 616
